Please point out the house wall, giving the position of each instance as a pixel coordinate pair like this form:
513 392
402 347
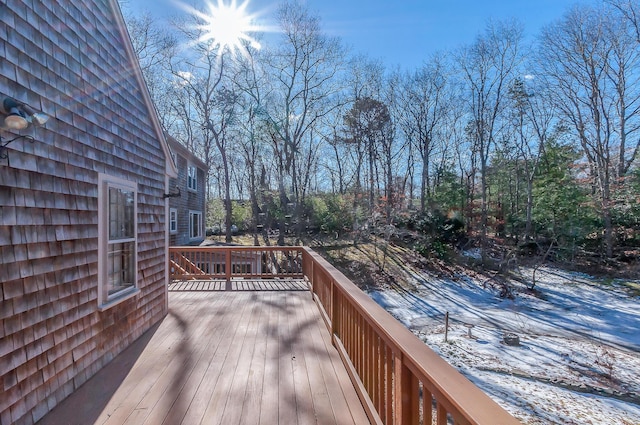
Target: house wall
188 200
67 59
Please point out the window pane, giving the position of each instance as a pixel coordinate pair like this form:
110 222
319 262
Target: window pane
173 220
192 177
194 225
120 263
121 211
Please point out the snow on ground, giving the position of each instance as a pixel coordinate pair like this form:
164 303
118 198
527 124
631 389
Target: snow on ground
578 361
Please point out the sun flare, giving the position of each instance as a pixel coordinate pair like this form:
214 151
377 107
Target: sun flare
227 26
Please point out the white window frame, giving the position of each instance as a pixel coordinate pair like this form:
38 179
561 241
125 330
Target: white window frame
192 177
199 234
173 220
105 183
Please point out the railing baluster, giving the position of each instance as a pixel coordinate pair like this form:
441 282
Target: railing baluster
427 405
233 262
335 317
441 414
365 358
388 411
406 393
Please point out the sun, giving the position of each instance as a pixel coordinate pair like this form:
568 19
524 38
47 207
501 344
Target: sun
227 26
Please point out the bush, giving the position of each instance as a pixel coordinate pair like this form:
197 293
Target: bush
432 249
332 213
437 227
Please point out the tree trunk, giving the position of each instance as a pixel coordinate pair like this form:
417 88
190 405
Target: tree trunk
484 216
228 208
607 221
371 178
528 230
283 206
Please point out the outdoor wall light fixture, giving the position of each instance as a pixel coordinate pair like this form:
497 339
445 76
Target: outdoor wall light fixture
172 195
17 116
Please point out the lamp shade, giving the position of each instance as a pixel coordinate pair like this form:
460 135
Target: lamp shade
34 117
15 119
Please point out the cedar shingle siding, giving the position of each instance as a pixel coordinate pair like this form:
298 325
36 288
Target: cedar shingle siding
67 58
188 200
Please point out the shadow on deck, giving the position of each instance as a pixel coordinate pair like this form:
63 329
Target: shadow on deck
236 349
227 357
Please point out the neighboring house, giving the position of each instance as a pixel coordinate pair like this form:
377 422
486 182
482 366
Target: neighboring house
187 211
83 218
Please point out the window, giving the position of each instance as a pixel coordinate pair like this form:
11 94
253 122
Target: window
173 220
117 259
192 177
195 224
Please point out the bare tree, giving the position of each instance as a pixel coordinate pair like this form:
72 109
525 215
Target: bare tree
364 81
590 62
368 123
250 81
488 66
623 71
533 117
338 153
154 45
392 149
303 72
630 11
208 102
424 109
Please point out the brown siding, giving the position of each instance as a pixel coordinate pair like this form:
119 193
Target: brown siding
67 59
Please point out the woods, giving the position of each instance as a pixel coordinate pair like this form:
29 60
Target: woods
525 143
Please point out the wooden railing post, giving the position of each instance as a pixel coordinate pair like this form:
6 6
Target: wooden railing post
306 258
335 313
227 269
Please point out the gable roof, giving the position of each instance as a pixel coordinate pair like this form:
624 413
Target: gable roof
182 150
170 166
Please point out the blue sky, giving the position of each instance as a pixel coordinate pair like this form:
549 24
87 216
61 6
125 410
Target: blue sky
402 32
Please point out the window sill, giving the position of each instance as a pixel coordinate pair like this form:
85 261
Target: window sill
125 296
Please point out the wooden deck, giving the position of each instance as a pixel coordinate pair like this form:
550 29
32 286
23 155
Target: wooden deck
223 357
278 284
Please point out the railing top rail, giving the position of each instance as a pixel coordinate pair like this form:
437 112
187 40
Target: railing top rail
428 366
188 248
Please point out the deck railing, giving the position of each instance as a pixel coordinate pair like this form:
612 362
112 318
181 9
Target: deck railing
398 378
229 262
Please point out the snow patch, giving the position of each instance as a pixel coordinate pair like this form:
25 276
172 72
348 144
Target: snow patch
577 362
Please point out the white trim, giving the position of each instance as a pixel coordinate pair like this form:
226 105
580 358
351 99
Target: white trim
173 211
104 183
192 187
127 294
200 234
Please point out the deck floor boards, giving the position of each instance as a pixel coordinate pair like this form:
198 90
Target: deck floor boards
223 357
